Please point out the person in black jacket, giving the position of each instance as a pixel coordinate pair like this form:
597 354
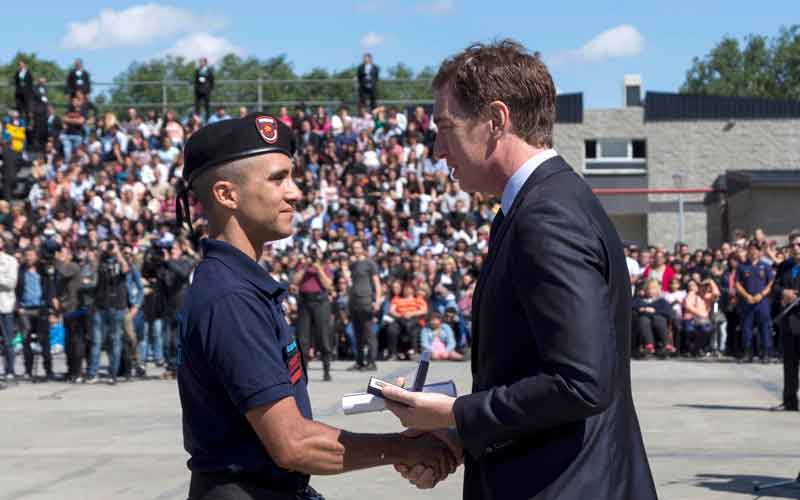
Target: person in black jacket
551 413
36 296
23 90
368 82
651 315
78 79
178 267
203 86
39 108
785 291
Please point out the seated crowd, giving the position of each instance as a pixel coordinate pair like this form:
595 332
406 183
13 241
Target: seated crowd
717 302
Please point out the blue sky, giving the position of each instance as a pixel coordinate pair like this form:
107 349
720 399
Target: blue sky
588 46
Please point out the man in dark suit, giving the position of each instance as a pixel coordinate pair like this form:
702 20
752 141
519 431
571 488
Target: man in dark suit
23 90
203 86
78 79
367 82
551 414
785 291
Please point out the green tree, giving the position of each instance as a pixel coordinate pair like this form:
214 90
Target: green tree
56 78
757 67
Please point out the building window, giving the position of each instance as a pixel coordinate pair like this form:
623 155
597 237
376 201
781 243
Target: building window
615 156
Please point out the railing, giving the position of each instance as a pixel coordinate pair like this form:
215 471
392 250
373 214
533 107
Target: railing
259 94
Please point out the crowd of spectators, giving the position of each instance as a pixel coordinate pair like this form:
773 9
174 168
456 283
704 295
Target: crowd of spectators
719 302
90 245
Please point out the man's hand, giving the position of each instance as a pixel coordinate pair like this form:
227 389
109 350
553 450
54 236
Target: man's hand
788 296
420 410
424 477
430 457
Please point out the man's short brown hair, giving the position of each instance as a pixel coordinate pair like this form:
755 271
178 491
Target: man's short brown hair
504 71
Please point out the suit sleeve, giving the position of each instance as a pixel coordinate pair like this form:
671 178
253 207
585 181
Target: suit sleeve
558 276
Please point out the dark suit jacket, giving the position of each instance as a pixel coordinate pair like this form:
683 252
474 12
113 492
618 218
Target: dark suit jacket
24 86
372 82
551 415
205 85
84 84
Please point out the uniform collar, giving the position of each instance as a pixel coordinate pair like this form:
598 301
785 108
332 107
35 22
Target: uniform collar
241 265
515 183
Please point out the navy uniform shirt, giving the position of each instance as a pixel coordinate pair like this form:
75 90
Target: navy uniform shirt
236 353
754 277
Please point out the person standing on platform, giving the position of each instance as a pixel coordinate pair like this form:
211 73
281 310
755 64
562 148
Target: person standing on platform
78 79
203 86
368 82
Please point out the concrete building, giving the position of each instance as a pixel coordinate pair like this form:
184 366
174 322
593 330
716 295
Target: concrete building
669 141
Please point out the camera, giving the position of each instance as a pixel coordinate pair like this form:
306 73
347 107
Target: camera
315 252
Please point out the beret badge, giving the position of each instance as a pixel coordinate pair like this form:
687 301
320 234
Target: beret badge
267 128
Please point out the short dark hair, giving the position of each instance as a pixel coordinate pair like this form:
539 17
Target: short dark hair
504 71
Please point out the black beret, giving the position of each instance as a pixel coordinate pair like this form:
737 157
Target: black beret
234 139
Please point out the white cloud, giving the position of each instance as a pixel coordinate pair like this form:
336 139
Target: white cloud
135 26
206 45
371 40
621 41
437 7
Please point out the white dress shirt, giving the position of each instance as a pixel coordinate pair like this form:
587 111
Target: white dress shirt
515 183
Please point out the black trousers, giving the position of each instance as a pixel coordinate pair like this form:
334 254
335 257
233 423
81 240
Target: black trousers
78 328
34 324
362 319
367 94
653 329
791 355
314 323
402 333
734 321
9 173
22 102
222 487
202 99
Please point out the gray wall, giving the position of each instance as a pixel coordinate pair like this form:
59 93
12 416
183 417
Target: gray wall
705 149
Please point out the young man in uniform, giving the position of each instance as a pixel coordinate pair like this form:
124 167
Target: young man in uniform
247 419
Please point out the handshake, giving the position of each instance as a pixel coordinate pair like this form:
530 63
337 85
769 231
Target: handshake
431 442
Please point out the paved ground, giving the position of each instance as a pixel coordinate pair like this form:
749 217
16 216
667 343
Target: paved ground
707 430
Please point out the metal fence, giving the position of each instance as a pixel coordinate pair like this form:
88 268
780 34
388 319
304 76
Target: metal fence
260 94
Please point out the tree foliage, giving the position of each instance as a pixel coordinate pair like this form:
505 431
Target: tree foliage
757 67
149 84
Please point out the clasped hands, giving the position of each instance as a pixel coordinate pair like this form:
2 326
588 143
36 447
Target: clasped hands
426 415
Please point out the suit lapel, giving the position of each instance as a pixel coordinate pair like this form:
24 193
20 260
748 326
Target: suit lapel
550 167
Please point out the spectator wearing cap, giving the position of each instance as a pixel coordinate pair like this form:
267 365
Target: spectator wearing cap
9 269
754 280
